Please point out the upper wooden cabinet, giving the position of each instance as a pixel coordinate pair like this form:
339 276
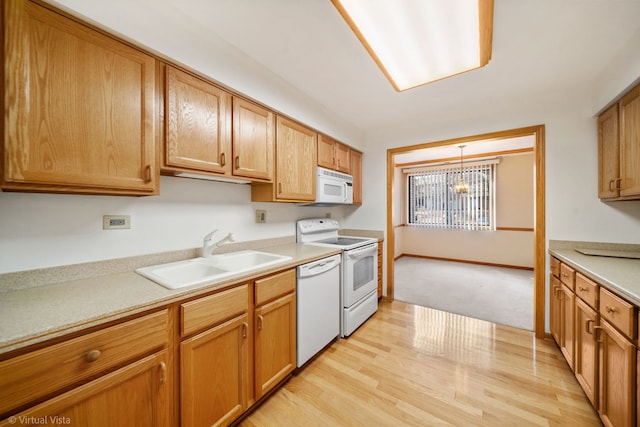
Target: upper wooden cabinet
80 107
619 149
356 172
333 155
198 125
253 140
296 160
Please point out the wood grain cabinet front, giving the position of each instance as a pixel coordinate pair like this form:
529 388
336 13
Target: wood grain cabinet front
80 107
296 162
83 368
214 364
619 149
198 125
333 154
275 330
598 342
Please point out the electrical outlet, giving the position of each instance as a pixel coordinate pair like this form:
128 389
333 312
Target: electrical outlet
327 215
261 216
116 222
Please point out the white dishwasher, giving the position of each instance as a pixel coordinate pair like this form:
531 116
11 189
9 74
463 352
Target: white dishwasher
318 306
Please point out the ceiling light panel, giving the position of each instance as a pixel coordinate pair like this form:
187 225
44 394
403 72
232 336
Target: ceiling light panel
418 41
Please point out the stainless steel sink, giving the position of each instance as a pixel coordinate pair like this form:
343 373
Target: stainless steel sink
201 271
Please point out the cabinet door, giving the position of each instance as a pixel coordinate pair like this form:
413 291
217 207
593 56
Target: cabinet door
253 140
275 343
555 303
608 154
567 319
356 172
630 143
586 357
326 152
343 158
214 371
295 161
80 115
617 378
135 396
198 124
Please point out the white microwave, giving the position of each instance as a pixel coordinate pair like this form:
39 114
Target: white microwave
332 188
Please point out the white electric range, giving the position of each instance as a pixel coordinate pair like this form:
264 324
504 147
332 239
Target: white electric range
359 281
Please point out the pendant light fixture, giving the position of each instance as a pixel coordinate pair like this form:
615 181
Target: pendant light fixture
461 187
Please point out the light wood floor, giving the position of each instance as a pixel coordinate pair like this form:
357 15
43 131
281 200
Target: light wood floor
415 366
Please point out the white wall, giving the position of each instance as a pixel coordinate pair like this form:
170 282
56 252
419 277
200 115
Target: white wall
44 230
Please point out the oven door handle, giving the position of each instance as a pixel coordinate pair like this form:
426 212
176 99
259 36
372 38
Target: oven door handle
363 251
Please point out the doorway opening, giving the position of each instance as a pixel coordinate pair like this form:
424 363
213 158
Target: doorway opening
494 140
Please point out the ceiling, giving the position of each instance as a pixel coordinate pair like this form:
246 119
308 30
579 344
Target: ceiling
539 47
547 44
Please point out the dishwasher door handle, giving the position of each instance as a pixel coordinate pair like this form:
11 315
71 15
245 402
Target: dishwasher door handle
318 267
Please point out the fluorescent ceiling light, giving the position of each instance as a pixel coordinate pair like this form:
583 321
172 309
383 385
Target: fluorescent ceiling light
419 41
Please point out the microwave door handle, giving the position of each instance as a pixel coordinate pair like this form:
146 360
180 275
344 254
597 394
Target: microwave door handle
346 191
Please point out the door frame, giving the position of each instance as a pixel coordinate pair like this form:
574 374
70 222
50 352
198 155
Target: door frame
539 255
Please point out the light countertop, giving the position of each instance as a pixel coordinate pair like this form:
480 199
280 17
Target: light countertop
621 275
42 304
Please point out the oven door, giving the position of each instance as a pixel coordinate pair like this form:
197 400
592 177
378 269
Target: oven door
360 270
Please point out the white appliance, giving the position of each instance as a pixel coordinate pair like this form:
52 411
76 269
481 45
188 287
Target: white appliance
332 188
318 306
359 284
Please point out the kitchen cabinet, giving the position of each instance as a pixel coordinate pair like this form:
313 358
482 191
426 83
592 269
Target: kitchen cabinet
619 149
605 357
214 363
81 114
333 155
198 125
356 172
567 313
296 160
275 330
554 299
92 379
617 360
630 144
253 140
586 353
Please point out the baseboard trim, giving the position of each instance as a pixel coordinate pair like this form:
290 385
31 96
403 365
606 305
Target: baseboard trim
517 267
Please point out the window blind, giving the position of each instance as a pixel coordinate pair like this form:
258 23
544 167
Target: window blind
433 202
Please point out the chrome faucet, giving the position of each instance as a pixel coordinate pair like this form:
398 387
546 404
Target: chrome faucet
208 246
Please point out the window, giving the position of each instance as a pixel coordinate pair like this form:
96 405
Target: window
432 201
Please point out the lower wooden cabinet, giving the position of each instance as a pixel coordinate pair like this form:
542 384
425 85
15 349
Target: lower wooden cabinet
118 375
598 342
567 319
135 395
586 355
275 331
617 378
209 358
214 374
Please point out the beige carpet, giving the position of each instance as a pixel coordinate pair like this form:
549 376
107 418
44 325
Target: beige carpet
495 294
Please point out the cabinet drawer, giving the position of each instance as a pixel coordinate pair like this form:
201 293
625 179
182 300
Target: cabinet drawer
275 286
618 312
34 375
568 276
587 290
213 309
555 266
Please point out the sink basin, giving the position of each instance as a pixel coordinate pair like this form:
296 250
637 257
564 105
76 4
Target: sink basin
201 271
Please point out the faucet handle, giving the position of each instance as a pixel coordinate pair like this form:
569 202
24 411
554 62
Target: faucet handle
210 235
232 237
